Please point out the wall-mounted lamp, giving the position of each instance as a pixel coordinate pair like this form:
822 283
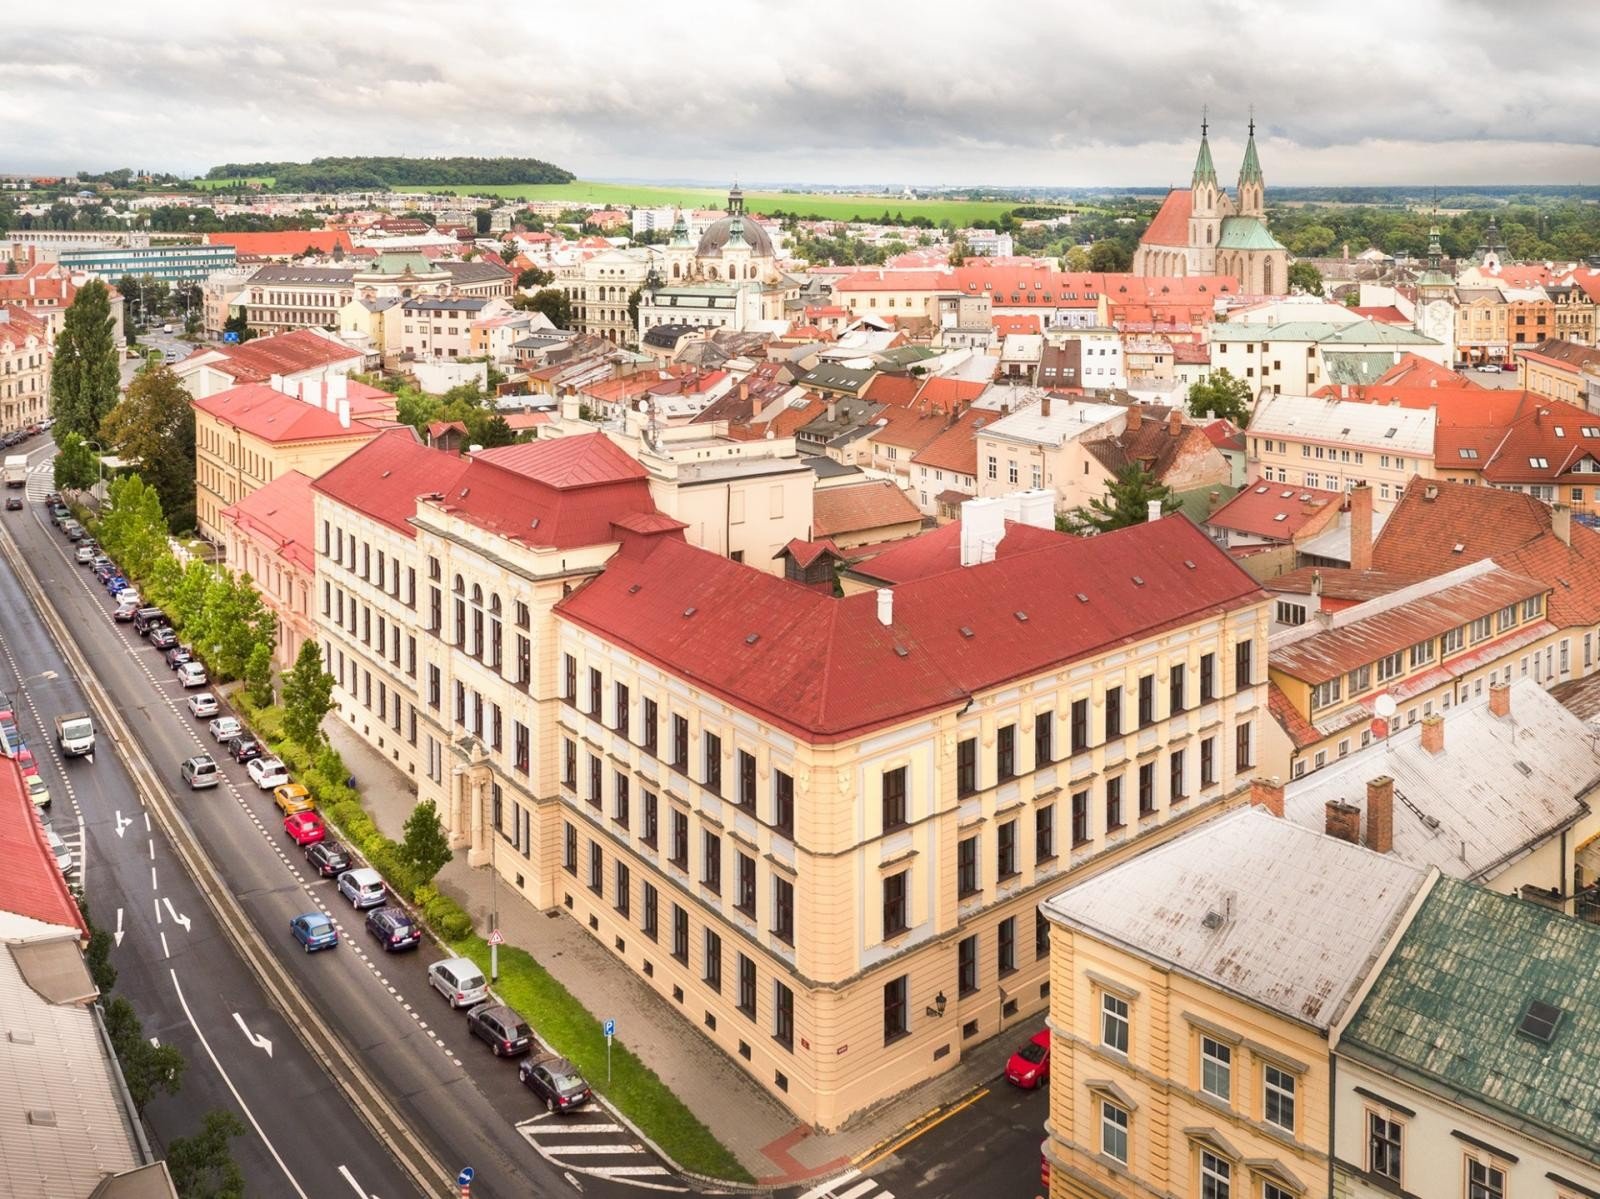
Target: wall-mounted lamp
939 1002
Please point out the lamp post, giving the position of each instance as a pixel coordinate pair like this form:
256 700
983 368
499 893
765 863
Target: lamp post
100 470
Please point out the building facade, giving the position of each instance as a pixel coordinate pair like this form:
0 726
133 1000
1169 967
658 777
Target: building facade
267 535
167 263
26 351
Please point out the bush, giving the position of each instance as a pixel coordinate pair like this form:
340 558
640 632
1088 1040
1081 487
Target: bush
443 914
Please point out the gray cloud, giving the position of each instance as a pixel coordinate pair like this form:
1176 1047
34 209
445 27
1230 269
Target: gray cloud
1028 92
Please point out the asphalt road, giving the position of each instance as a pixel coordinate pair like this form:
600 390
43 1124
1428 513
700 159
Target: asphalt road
467 1106
988 1148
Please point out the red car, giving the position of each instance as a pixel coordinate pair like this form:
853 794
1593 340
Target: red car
25 760
1029 1066
304 828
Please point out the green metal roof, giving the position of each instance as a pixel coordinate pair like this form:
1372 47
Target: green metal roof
1448 1011
1357 366
1246 233
1204 172
1250 172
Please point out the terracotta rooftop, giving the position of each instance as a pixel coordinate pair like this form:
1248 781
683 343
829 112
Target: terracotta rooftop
31 884
1171 224
856 507
956 448
257 360
289 244
939 550
567 462
1274 510
384 477
264 412
281 514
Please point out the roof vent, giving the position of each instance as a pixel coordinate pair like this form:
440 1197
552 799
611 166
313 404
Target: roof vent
1215 919
1458 547
1082 598
463 494
902 651
1527 771
20 1036
532 524
634 590
41 1117
1539 1022
965 631
1021 617
1281 516
1188 563
689 611
752 638
384 475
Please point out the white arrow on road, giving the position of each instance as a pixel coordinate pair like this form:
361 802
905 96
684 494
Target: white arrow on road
118 933
176 919
256 1039
122 822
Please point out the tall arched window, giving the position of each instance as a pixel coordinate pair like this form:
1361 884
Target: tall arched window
494 631
477 622
460 612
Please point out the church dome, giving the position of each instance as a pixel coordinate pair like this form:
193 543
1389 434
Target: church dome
721 232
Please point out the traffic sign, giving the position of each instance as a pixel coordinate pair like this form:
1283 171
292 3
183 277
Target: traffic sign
496 937
611 1028
230 337
465 1177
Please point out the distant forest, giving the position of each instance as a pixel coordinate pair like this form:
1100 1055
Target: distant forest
378 174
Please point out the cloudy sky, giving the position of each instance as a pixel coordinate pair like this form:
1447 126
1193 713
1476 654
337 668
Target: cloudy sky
1070 92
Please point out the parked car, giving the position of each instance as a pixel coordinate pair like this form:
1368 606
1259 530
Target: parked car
59 512
304 828
147 620
177 655
223 728
244 748
38 792
58 847
73 530
200 771
85 554
394 928
103 569
192 674
126 609
13 503
314 931
1029 1066
363 887
292 798
556 1082
201 705
24 759
267 773
163 637
327 858
459 980
501 1028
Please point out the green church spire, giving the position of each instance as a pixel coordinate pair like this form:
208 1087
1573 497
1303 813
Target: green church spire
1204 171
1250 172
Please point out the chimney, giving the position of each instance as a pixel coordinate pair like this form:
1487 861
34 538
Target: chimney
1342 821
1174 422
311 393
277 383
1380 814
1044 405
1561 522
1361 528
1500 700
338 387
1154 512
833 411
1268 794
344 414
1433 733
1134 417
885 606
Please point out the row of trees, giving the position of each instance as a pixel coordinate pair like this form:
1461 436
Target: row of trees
377 173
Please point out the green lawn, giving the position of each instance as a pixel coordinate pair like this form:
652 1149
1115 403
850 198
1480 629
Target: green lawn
211 185
837 206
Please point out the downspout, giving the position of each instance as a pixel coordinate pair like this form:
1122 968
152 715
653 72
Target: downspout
1333 1111
129 1110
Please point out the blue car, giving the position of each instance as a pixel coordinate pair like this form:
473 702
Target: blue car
314 931
115 584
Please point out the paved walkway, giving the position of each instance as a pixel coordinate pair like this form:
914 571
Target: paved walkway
771 1143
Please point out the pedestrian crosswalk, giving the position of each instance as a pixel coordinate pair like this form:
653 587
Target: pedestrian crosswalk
41 480
852 1184
594 1142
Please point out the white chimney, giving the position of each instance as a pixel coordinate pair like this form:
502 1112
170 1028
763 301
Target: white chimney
311 393
277 383
983 526
344 414
885 606
1155 510
338 387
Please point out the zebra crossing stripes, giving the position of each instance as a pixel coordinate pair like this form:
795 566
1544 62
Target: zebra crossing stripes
852 1184
592 1142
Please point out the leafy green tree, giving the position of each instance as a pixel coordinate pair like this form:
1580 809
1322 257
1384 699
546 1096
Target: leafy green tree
1304 276
425 848
532 277
133 527
1110 256
202 1165
154 427
1221 395
77 468
1126 502
551 301
235 621
84 379
307 697
258 674
188 598
98 958
146 1068
162 582
1312 241
1077 259
960 251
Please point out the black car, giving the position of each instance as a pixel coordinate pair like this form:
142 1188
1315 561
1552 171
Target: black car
328 858
163 637
556 1081
394 928
504 1031
177 655
245 749
145 620
13 503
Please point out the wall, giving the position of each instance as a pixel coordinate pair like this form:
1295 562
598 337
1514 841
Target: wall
438 377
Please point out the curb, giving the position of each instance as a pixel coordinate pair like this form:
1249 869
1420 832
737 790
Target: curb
360 1091
930 1116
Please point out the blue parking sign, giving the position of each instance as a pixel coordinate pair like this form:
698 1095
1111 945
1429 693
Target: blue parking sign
611 1028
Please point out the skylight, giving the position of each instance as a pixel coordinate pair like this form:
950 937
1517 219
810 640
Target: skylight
1469 453
1540 1021
1539 463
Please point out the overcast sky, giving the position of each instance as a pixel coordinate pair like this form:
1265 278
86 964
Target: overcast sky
1072 92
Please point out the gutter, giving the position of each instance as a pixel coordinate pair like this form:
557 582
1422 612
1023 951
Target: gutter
146 1157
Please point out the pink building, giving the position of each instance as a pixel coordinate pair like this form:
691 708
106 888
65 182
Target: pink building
268 535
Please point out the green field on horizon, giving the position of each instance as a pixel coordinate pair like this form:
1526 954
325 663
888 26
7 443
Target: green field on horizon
828 205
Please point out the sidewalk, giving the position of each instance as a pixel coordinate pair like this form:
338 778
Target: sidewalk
775 1147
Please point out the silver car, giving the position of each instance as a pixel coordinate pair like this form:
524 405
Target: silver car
203 705
460 981
225 729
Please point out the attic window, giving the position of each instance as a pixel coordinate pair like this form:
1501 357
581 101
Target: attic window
688 612
752 638
1188 563
463 494
1539 463
1560 432
1527 771
1281 516
634 590
965 631
902 651
1540 1021
384 475
1591 431
1261 491
1469 453
1021 617
1391 432
1082 598
1138 581
1284 495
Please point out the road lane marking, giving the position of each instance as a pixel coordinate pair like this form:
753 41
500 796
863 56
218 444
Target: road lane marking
157 902
860 1189
917 1132
165 952
122 822
177 917
153 878
152 846
578 1128
256 1039
118 934
575 1183
344 1172
826 1188
238 1098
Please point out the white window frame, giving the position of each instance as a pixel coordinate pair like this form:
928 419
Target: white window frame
1113 1126
1271 1088
1114 1014
1216 1176
1216 1068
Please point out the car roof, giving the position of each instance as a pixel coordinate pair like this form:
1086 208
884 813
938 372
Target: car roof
365 874
313 917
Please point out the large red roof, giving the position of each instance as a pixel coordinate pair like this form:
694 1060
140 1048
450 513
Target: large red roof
384 477
939 550
857 507
282 245
826 669
566 462
1275 510
281 514
31 884
956 449
1171 224
269 414
258 360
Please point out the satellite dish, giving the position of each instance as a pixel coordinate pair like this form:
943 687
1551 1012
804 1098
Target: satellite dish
644 405
1385 706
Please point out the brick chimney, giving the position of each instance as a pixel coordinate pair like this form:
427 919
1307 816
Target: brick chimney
1134 418
1561 522
1500 700
1343 821
1174 423
1361 527
1380 814
1268 794
1433 733
1044 405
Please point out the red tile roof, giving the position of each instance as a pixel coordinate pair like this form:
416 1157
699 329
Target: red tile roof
1275 510
1386 314
805 553
826 669
879 280
384 477
1006 323
1301 731
896 390
908 428
258 360
857 507
1340 583
1438 526
956 449
1171 224
31 884
282 245
17 324
944 393
1414 371
586 460
281 514
258 409
939 550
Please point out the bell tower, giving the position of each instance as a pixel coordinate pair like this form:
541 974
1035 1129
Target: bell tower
1205 206
1252 187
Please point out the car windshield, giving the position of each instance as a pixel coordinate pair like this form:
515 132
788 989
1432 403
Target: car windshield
1031 1052
519 1030
566 1083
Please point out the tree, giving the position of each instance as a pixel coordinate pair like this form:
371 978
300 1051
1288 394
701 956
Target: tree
425 848
234 622
258 674
533 277
1109 256
154 427
1221 395
1126 502
76 466
307 697
1304 276
552 302
238 324
132 527
84 379
146 1068
202 1167
960 252
633 307
98 958
1077 260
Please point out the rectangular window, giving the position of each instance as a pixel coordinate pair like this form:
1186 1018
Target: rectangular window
1176 689
1114 1022
1147 700
679 856
651 718
1114 803
1482 628
1243 665
711 972
648 829
1113 1131
1383 1146
624 888
1452 641
680 934
747 780
1277 1100
894 904
652 901
680 743
597 869
1044 833
1208 678
1041 935
894 798
967 965
966 766
1208 762
712 745
783 910
783 1015
744 880
594 693
967 866
569 678
619 799
1005 753
1390 667
747 986
1008 945
1422 653
1006 850
1113 712
1359 680
622 704
1175 779
1044 728
520 751
596 784
1216 1176
711 861
1147 789
1216 1068
895 996
1080 817
1485 1180
569 855
1080 725
783 803
1241 747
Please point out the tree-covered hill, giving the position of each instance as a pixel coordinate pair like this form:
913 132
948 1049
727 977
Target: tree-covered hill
366 173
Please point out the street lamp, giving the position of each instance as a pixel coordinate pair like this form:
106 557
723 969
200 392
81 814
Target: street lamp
100 469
